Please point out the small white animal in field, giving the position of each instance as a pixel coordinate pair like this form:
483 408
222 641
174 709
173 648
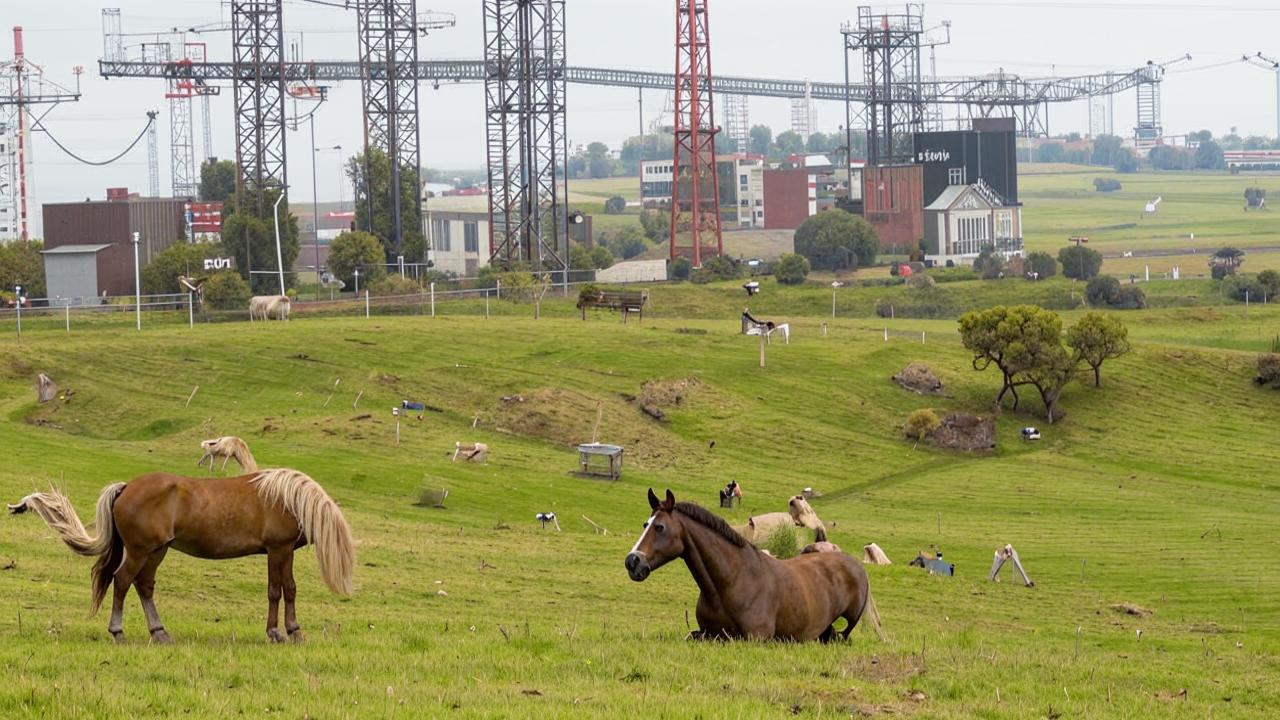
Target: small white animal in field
227 447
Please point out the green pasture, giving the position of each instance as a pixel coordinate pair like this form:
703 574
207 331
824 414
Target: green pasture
1158 489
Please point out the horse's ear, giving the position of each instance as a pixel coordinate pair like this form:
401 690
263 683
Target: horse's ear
670 502
653 500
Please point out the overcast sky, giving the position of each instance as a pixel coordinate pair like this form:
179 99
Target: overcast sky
796 39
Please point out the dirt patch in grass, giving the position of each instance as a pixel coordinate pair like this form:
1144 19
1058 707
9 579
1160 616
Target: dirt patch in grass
567 418
883 668
667 394
1133 609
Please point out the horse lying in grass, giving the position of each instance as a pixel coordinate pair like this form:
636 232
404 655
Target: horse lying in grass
272 512
745 593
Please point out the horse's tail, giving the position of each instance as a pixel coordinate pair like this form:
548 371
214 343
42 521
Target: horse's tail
873 616
57 512
319 518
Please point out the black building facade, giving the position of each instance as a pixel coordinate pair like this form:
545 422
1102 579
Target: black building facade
963 157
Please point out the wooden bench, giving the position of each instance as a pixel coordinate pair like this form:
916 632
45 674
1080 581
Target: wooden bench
625 301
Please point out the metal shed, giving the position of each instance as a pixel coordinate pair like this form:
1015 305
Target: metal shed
72 271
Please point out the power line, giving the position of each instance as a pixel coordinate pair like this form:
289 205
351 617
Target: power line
151 118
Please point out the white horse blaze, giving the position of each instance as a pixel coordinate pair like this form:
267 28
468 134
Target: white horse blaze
647 524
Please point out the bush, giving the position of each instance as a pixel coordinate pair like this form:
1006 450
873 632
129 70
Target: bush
782 542
352 250
656 224
1218 272
160 276
601 258
394 285
959 273
1042 264
792 269
680 268
835 240
920 281
717 268
226 290
1079 262
1102 290
920 423
1239 287
615 205
1268 371
626 243
989 264
1130 297
1106 184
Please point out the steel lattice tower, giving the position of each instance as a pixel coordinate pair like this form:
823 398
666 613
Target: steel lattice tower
889 46
524 57
388 31
257 43
182 152
695 187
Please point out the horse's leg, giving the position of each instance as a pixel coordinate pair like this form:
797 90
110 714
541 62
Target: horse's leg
145 584
275 565
225 459
290 594
128 570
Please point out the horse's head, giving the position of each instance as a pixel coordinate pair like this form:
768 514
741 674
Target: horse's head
661 541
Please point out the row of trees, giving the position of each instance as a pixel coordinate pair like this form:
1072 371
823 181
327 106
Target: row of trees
22 264
1026 345
248 233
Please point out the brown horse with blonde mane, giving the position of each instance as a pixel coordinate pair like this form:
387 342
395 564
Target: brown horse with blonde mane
746 593
272 512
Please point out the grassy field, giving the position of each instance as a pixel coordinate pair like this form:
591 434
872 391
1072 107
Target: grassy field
1159 489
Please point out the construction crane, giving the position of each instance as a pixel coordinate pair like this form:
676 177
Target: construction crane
1149 130
1268 63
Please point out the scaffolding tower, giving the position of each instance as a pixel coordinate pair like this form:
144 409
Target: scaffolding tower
737 122
388 31
524 69
695 187
257 44
803 118
885 49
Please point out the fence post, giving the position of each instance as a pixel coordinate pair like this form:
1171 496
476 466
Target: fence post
433 299
191 310
366 303
19 306
499 288
68 309
921 337
486 304
886 333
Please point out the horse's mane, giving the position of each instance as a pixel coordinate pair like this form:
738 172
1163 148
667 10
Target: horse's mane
711 521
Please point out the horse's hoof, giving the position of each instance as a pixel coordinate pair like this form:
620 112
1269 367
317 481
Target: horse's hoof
296 635
275 635
118 636
160 637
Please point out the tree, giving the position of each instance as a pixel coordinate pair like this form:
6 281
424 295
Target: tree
1079 262
792 269
580 257
653 146
371 177
251 240
1167 157
789 142
989 264
1050 153
919 424
1203 136
1228 258
1126 161
599 162
1102 290
656 224
1025 344
1209 156
226 290
601 258
160 276
1270 282
615 205
835 239
626 243
22 264
680 268
1097 338
356 249
1268 371
761 139
217 180
1042 264
1106 149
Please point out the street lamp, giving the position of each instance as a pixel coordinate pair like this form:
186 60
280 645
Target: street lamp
275 211
835 284
137 283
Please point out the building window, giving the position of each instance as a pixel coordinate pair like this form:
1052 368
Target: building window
742 180
440 235
955 176
471 237
1004 223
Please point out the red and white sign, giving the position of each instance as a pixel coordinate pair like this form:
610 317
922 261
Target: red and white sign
205 217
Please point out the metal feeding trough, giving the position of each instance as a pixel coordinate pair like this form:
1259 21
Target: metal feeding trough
600 460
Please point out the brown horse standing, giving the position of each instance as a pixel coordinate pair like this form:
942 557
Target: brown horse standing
272 512
746 593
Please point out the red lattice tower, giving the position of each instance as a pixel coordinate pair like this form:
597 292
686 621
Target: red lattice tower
695 189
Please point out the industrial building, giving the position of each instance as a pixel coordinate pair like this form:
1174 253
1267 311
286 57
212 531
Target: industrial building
88 246
459 241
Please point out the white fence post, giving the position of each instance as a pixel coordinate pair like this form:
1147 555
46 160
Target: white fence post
191 310
499 288
486 304
366 303
19 318
433 299
68 309
921 337
886 333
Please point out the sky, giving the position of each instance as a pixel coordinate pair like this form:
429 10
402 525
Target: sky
799 39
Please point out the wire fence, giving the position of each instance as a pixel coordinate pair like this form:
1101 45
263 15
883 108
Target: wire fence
68 316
